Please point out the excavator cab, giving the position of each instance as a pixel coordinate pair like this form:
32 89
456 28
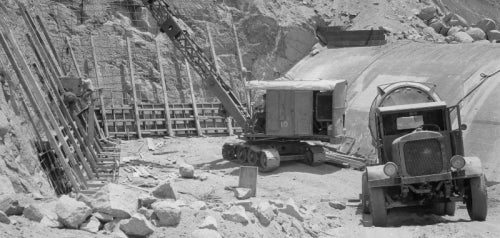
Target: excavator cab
300 108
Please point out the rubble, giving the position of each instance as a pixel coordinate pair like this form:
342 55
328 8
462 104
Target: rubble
476 33
167 212
115 200
486 24
186 170
428 13
453 19
462 37
51 222
205 233
4 218
36 212
10 206
165 191
103 217
494 35
242 193
291 209
265 212
92 225
72 213
198 205
209 223
137 226
337 205
146 200
148 213
236 214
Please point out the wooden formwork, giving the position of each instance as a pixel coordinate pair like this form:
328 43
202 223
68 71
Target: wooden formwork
153 120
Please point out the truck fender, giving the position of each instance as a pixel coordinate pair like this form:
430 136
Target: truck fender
376 173
473 166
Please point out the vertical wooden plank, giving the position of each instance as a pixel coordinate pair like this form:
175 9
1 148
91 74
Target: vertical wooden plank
193 100
242 71
47 37
134 94
248 178
73 57
99 90
90 155
39 111
168 122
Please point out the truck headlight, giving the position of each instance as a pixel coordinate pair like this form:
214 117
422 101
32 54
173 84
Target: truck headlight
457 162
391 169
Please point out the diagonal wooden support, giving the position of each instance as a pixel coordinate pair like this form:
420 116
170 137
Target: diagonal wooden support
46 125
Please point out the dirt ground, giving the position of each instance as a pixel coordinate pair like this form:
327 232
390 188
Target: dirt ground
312 188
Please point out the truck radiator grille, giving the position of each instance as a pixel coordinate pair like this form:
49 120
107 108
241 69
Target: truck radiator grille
423 157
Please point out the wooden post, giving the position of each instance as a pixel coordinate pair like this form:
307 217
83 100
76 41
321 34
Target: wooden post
73 58
242 70
134 94
91 157
193 99
33 100
212 49
217 69
248 178
47 37
99 91
168 122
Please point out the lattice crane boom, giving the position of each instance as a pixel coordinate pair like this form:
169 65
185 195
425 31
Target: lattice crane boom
205 68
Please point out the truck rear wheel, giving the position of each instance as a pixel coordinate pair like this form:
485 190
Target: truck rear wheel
377 207
477 199
228 151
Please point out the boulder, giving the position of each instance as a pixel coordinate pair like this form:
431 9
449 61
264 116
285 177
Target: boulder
84 198
137 226
4 218
36 212
148 213
476 33
242 193
205 233
92 225
265 212
115 200
10 206
291 209
248 205
186 170
439 27
198 205
462 37
72 213
209 223
51 223
431 35
428 13
7 188
103 217
453 19
236 214
482 42
165 191
337 205
277 203
494 35
167 212
146 200
487 24
454 30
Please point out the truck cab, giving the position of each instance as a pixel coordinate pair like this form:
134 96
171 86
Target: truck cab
421 158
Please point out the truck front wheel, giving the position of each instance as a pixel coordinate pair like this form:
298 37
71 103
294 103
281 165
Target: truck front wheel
477 199
377 207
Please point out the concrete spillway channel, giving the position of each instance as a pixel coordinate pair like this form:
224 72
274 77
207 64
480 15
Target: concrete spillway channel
455 69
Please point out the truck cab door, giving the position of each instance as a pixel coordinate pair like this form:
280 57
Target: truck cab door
456 138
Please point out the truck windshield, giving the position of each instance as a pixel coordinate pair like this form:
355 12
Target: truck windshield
405 122
410 122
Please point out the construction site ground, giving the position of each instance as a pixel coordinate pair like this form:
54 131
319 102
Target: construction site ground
312 188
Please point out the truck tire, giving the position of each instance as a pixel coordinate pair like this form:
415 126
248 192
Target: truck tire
439 208
477 199
365 197
377 207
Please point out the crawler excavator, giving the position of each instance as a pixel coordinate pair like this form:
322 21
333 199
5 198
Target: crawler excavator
295 120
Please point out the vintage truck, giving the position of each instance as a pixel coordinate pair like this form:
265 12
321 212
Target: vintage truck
421 158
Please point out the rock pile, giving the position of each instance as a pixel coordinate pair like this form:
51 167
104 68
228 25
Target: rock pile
454 29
